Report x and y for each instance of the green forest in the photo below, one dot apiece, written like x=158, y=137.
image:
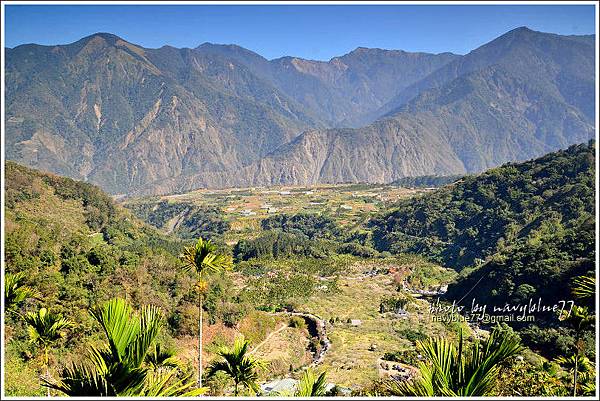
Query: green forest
x=151, y=300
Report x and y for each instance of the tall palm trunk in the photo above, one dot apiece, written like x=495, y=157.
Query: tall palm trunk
x=200, y=340
x=47, y=363
x=575, y=375
x=202, y=259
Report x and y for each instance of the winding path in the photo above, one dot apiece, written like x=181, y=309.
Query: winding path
x=271, y=334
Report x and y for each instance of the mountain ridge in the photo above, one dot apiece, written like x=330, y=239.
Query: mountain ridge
x=468, y=62
x=136, y=120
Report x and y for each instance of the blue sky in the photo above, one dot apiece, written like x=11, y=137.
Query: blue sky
x=314, y=32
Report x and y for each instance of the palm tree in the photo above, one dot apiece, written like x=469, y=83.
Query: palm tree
x=46, y=329
x=202, y=259
x=236, y=363
x=162, y=359
x=583, y=288
x=466, y=371
x=580, y=367
x=118, y=367
x=15, y=291
x=580, y=317
x=311, y=385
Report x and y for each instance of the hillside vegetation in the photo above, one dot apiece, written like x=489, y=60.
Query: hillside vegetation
x=514, y=234
x=185, y=220
x=517, y=233
x=464, y=223
x=75, y=249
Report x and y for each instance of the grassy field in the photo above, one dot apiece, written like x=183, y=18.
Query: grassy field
x=356, y=348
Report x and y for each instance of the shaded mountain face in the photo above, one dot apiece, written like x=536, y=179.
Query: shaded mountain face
x=346, y=90
x=563, y=64
x=378, y=153
x=124, y=117
x=140, y=121
x=533, y=95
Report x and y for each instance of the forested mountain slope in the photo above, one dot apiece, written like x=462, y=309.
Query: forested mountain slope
x=116, y=114
x=77, y=247
x=524, y=230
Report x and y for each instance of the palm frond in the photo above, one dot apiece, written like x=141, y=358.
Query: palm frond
x=311, y=385
x=580, y=317
x=160, y=358
x=484, y=362
x=101, y=359
x=582, y=363
x=219, y=366
x=463, y=371
x=167, y=384
x=15, y=291
x=203, y=259
x=116, y=319
x=214, y=263
x=589, y=388
x=45, y=327
x=150, y=323
x=584, y=287
x=118, y=368
x=80, y=380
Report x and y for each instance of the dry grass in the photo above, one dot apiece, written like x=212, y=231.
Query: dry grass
x=350, y=361
x=287, y=350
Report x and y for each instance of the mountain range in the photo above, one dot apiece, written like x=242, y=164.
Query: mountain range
x=149, y=121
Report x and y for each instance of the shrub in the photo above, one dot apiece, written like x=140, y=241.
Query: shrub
x=297, y=322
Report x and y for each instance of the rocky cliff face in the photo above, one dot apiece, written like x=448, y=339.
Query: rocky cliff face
x=378, y=153
x=116, y=114
x=137, y=120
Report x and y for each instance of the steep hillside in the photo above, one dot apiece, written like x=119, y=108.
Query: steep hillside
x=182, y=219
x=495, y=112
x=69, y=244
x=564, y=64
x=492, y=116
x=468, y=221
x=122, y=116
x=521, y=233
x=379, y=153
x=76, y=246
